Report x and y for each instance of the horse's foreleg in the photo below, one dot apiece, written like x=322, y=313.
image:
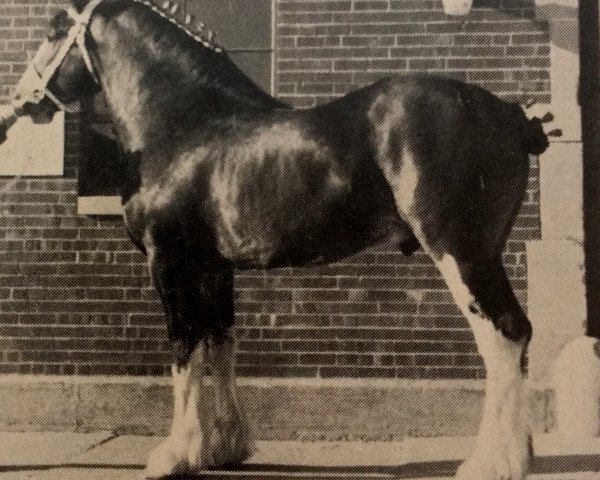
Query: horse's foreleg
x=181, y=452
x=229, y=442
x=204, y=434
x=502, y=332
x=199, y=314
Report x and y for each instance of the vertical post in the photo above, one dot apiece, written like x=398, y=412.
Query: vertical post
x=589, y=99
x=577, y=368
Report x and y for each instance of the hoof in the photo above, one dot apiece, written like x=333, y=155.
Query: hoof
x=230, y=444
x=498, y=462
x=486, y=470
x=169, y=460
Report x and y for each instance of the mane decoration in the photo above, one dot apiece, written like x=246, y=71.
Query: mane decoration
x=169, y=9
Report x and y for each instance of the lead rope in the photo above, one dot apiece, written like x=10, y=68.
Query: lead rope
x=9, y=118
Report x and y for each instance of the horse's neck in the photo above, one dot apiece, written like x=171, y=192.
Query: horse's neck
x=153, y=95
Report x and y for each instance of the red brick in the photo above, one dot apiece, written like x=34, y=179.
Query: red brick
x=276, y=371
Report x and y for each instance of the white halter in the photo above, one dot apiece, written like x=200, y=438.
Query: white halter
x=82, y=21
x=76, y=36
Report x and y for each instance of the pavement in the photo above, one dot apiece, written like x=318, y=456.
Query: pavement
x=105, y=456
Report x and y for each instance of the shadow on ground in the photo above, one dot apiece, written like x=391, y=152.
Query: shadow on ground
x=543, y=465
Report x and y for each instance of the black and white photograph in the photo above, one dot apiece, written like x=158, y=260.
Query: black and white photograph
x=300, y=239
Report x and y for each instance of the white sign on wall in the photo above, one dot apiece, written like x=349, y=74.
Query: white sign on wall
x=34, y=150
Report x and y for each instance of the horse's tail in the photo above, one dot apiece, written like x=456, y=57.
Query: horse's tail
x=514, y=119
x=535, y=140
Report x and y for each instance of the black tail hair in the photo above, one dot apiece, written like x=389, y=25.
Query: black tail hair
x=535, y=140
x=533, y=137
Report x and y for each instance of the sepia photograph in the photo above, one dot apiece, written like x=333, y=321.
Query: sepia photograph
x=300, y=239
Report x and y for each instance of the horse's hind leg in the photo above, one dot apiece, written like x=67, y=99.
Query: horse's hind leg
x=200, y=314
x=458, y=179
x=502, y=332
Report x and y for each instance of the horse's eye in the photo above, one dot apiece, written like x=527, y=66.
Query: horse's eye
x=56, y=34
x=59, y=26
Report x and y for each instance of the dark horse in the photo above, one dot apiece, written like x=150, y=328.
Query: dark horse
x=218, y=175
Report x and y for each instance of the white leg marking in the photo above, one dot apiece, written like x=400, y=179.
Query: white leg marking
x=181, y=452
x=229, y=442
x=503, y=448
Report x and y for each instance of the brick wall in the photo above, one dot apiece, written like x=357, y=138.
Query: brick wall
x=75, y=299
x=328, y=47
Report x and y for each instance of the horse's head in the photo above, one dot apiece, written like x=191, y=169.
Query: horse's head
x=59, y=75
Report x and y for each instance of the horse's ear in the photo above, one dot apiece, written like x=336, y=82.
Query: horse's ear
x=79, y=4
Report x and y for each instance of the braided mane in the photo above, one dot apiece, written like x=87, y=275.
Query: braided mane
x=168, y=11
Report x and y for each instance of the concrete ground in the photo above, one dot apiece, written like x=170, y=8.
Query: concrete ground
x=105, y=456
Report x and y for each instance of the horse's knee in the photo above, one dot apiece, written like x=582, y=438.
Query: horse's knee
x=205, y=313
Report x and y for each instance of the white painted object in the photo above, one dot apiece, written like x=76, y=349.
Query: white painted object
x=34, y=149
x=99, y=205
x=457, y=7
x=577, y=384
x=555, y=298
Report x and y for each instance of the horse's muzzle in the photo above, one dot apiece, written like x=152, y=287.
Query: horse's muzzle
x=40, y=113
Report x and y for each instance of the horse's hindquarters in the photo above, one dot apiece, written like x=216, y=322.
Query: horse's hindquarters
x=456, y=161
x=454, y=158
